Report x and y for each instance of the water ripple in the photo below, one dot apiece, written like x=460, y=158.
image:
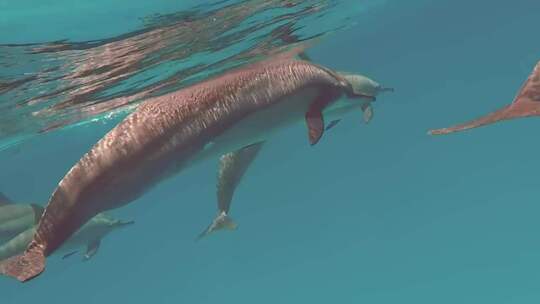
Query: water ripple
x=61, y=84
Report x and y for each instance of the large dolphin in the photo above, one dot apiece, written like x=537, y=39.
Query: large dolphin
x=526, y=103
x=89, y=236
x=165, y=134
x=234, y=165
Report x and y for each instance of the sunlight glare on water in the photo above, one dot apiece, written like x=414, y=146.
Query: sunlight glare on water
x=378, y=212
x=66, y=81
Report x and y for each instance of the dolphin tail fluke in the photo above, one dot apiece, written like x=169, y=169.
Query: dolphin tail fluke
x=221, y=222
x=26, y=266
x=526, y=103
x=515, y=110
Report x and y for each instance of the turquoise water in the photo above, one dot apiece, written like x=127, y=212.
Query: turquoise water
x=381, y=213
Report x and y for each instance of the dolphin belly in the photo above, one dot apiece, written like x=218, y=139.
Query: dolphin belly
x=261, y=125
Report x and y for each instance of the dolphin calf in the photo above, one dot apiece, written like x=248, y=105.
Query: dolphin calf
x=166, y=133
x=526, y=103
x=89, y=236
x=233, y=165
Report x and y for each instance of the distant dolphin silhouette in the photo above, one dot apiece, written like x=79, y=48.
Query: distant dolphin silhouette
x=165, y=134
x=89, y=236
x=16, y=218
x=21, y=226
x=526, y=103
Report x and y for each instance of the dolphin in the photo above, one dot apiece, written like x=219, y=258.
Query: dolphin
x=89, y=236
x=165, y=134
x=18, y=225
x=233, y=165
x=526, y=103
x=15, y=218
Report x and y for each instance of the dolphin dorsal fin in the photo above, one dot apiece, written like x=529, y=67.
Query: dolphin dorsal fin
x=296, y=50
x=4, y=200
x=304, y=56
x=526, y=103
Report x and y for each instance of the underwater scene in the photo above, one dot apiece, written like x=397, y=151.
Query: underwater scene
x=353, y=151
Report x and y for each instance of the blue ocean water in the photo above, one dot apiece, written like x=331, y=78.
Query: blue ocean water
x=378, y=213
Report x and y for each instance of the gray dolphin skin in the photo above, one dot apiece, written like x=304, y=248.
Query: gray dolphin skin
x=18, y=225
x=15, y=218
x=89, y=236
x=233, y=165
x=167, y=133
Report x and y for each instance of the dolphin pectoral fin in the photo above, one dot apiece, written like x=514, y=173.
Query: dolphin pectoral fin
x=4, y=200
x=367, y=109
x=221, y=222
x=315, y=124
x=125, y=223
x=332, y=124
x=525, y=104
x=91, y=250
x=67, y=255
x=314, y=116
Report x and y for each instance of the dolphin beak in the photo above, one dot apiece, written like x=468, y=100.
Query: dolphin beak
x=383, y=89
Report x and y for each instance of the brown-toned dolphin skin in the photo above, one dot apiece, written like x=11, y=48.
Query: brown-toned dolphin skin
x=233, y=165
x=526, y=103
x=165, y=133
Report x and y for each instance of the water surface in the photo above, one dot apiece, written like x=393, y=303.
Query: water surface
x=380, y=213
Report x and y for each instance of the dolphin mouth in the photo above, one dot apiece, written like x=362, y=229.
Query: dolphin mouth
x=369, y=96
x=361, y=95
x=356, y=95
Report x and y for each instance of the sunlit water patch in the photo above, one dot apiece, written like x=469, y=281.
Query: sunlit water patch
x=66, y=83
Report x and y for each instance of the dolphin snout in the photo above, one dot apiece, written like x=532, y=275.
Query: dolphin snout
x=383, y=89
